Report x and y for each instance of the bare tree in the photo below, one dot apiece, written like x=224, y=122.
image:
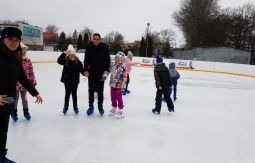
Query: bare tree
x=22, y=21
x=88, y=31
x=242, y=26
x=6, y=22
x=168, y=36
x=10, y=22
x=115, y=40
x=109, y=38
x=193, y=18
x=51, y=28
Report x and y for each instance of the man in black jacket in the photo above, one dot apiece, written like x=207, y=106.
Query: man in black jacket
x=11, y=71
x=163, y=83
x=96, y=68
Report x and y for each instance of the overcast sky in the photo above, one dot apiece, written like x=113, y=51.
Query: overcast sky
x=128, y=17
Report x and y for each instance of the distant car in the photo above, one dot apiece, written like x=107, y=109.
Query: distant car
x=81, y=51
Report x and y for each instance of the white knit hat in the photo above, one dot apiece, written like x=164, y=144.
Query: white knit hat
x=70, y=50
x=23, y=45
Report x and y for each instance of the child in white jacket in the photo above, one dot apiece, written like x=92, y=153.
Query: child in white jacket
x=128, y=65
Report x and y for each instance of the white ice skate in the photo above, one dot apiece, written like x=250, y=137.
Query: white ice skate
x=112, y=111
x=119, y=114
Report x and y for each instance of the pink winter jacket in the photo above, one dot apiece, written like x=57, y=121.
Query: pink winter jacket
x=28, y=68
x=129, y=64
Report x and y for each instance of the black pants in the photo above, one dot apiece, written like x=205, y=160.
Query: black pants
x=158, y=99
x=96, y=86
x=5, y=112
x=71, y=88
x=175, y=90
x=128, y=80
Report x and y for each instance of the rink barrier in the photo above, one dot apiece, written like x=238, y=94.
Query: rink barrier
x=220, y=72
x=182, y=69
x=210, y=71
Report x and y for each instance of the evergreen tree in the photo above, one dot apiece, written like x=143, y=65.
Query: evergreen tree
x=69, y=41
x=85, y=41
x=142, y=48
x=79, y=42
x=62, y=42
x=75, y=37
x=149, y=46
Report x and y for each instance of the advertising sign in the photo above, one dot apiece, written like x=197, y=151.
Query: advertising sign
x=185, y=65
x=147, y=62
x=32, y=35
x=31, y=32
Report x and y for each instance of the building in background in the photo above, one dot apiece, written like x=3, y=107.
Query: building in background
x=32, y=36
x=50, y=41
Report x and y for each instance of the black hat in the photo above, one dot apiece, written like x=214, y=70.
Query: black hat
x=11, y=32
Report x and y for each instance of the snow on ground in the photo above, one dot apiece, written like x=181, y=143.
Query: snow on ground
x=214, y=123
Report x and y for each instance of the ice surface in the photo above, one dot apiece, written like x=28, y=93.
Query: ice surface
x=214, y=123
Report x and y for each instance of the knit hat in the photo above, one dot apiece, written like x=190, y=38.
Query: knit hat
x=120, y=55
x=23, y=45
x=70, y=50
x=159, y=59
x=11, y=32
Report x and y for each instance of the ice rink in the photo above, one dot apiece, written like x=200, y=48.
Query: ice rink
x=213, y=122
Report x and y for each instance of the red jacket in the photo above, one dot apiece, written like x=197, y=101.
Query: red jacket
x=28, y=68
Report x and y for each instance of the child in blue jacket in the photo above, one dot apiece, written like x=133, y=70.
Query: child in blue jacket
x=174, y=78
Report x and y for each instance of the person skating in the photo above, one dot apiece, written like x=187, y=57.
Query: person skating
x=117, y=83
x=72, y=67
x=163, y=84
x=11, y=72
x=20, y=90
x=96, y=68
x=128, y=65
x=174, y=74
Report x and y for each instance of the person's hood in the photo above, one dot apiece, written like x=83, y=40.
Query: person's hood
x=172, y=65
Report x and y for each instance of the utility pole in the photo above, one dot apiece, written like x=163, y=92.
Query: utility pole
x=252, y=60
x=147, y=34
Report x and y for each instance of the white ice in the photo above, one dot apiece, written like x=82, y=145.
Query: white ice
x=214, y=122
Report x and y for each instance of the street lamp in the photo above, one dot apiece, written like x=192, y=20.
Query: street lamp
x=252, y=60
x=147, y=33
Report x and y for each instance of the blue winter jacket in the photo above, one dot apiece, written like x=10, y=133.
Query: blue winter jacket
x=173, y=73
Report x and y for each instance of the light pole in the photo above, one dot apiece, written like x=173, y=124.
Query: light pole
x=147, y=33
x=252, y=60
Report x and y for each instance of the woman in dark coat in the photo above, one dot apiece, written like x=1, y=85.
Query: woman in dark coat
x=11, y=71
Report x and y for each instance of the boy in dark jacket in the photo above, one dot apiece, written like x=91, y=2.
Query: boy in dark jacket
x=70, y=76
x=163, y=84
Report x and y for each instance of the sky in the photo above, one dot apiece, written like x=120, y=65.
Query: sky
x=129, y=17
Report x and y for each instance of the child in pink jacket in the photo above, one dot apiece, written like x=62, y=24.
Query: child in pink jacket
x=128, y=65
x=28, y=68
